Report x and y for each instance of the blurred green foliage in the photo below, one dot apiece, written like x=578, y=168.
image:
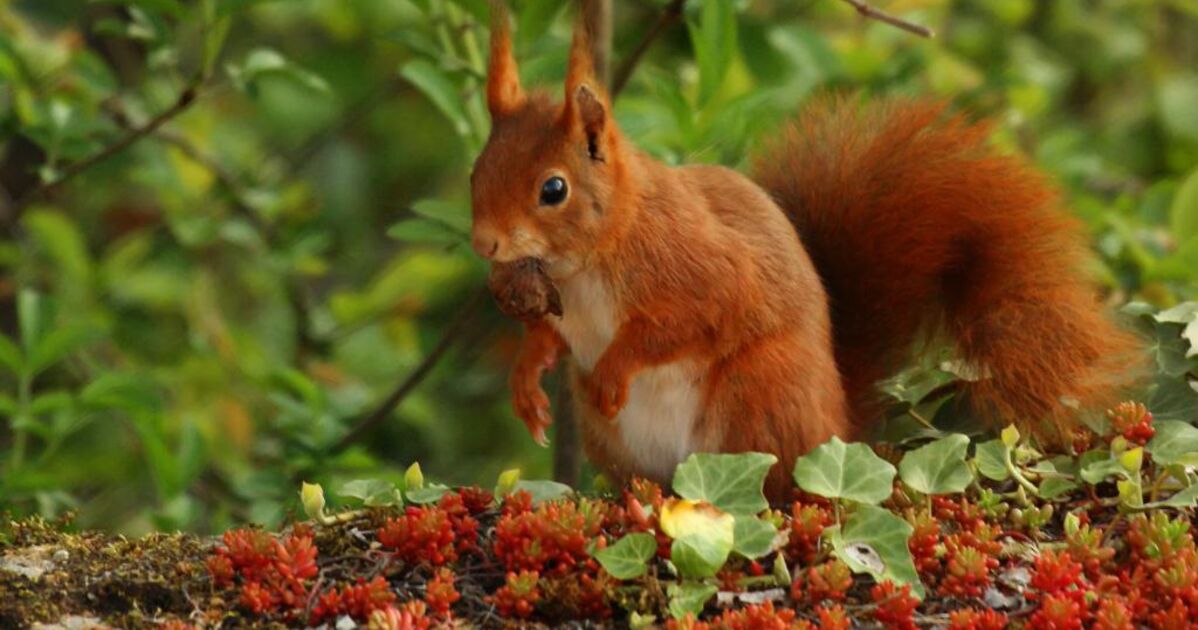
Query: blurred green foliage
x=192, y=323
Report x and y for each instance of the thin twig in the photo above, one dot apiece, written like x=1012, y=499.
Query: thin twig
x=185, y=100
x=224, y=177
x=671, y=14
x=868, y=11
x=416, y=377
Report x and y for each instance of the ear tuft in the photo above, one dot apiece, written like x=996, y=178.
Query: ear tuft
x=504, y=94
x=592, y=116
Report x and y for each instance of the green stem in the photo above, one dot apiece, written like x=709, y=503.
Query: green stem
x=1017, y=475
x=20, y=438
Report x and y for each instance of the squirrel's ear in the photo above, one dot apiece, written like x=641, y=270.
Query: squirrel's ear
x=587, y=112
x=504, y=94
x=586, y=105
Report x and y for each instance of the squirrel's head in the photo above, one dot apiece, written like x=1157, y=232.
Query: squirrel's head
x=544, y=184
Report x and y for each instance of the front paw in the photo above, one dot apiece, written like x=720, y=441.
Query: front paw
x=608, y=390
x=531, y=405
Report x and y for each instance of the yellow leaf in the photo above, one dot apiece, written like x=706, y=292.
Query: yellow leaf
x=681, y=517
x=312, y=496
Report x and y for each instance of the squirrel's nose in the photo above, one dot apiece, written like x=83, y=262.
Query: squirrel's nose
x=486, y=245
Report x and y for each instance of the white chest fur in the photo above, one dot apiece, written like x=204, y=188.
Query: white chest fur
x=657, y=423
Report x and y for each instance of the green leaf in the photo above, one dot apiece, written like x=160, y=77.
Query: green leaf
x=51, y=401
x=1096, y=472
x=454, y=216
x=372, y=492
x=229, y=7
x=413, y=478
x=938, y=467
x=62, y=242
x=8, y=406
x=1182, y=499
x=10, y=356
x=1183, y=214
x=59, y=343
x=535, y=17
x=544, y=490
x=171, y=7
x=991, y=461
x=1174, y=443
x=422, y=230
x=714, y=41
x=731, y=482
x=440, y=90
x=430, y=493
x=1185, y=314
x=753, y=537
x=1170, y=349
x=1054, y=487
x=312, y=499
x=629, y=557
x=703, y=536
x=264, y=62
x=689, y=598
x=1173, y=399
x=34, y=314
x=874, y=541
x=506, y=484
x=845, y=471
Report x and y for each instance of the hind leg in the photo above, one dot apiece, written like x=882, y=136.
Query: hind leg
x=782, y=396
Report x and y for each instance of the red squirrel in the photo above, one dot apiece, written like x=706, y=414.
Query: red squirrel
x=706, y=311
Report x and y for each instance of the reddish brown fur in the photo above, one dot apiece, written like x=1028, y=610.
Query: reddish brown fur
x=918, y=226
x=910, y=220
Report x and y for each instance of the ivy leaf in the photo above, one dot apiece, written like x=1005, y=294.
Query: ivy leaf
x=1175, y=442
x=731, y=482
x=506, y=484
x=1096, y=472
x=1173, y=399
x=938, y=467
x=542, y=490
x=991, y=460
x=1184, y=498
x=753, y=537
x=629, y=557
x=689, y=598
x=703, y=536
x=1185, y=314
x=430, y=493
x=845, y=471
x=372, y=492
x=874, y=541
x=312, y=498
x=1054, y=487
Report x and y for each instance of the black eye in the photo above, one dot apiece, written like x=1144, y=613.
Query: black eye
x=553, y=191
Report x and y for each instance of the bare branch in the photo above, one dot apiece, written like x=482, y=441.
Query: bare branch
x=185, y=100
x=868, y=11
x=596, y=15
x=451, y=335
x=671, y=14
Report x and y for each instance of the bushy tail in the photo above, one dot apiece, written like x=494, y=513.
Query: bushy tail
x=918, y=226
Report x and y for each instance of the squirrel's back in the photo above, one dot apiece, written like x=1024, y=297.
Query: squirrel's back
x=919, y=227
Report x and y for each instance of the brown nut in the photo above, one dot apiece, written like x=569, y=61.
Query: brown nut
x=523, y=290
